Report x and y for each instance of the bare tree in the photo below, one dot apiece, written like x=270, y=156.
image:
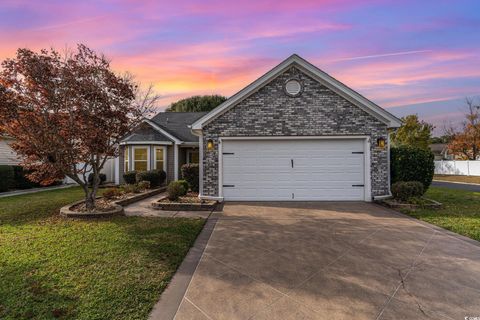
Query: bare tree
x=465, y=141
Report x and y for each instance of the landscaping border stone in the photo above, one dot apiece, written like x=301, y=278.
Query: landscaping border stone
x=177, y=206
x=432, y=204
x=118, y=206
x=67, y=212
x=140, y=196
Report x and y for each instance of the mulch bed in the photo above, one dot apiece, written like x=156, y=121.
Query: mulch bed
x=425, y=203
x=188, y=202
x=102, y=205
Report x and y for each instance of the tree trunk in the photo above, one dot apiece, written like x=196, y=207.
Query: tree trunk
x=91, y=195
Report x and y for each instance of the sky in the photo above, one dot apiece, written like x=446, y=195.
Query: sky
x=407, y=56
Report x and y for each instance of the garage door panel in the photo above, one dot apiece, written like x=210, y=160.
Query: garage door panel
x=322, y=169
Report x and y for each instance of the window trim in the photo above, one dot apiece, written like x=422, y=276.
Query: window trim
x=132, y=157
x=126, y=160
x=164, y=157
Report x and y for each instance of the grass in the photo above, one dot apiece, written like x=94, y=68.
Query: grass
x=460, y=214
x=467, y=179
x=53, y=268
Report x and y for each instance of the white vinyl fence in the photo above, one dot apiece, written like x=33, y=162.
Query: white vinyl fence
x=454, y=167
x=108, y=170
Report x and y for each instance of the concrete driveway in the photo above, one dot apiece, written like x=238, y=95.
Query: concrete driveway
x=331, y=261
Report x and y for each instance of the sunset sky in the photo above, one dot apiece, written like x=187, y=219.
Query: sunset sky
x=409, y=56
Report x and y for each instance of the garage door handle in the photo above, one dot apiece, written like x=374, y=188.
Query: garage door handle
x=292, y=162
x=358, y=185
x=228, y=186
x=357, y=152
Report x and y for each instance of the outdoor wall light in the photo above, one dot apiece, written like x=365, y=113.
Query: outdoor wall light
x=210, y=145
x=381, y=143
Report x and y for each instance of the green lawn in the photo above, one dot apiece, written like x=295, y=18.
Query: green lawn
x=461, y=212
x=53, y=268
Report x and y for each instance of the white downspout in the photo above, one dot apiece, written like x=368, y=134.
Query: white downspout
x=175, y=161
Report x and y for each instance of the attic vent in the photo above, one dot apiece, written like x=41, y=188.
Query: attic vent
x=293, y=87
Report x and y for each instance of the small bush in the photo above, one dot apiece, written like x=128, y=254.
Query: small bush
x=131, y=188
x=101, y=176
x=130, y=177
x=6, y=178
x=112, y=193
x=412, y=164
x=143, y=185
x=185, y=185
x=155, y=177
x=190, y=173
x=175, y=190
x=406, y=190
x=20, y=179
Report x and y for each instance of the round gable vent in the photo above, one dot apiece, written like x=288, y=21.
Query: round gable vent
x=293, y=87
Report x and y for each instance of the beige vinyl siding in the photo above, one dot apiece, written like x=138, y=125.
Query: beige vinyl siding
x=170, y=163
x=7, y=155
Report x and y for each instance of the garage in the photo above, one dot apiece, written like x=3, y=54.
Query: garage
x=294, y=169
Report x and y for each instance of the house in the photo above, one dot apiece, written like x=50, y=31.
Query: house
x=294, y=134
x=440, y=151
x=163, y=142
x=7, y=155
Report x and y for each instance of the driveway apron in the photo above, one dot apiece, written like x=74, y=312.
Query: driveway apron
x=326, y=260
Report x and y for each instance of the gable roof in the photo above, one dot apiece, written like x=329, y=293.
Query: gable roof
x=354, y=97
x=165, y=127
x=178, y=124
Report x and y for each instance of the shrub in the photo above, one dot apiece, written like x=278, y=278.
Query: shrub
x=20, y=179
x=102, y=176
x=406, y=190
x=131, y=188
x=175, y=190
x=155, y=177
x=6, y=178
x=143, y=185
x=130, y=177
x=190, y=173
x=412, y=164
x=112, y=193
x=185, y=185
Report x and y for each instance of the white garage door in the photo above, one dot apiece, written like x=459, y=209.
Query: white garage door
x=293, y=170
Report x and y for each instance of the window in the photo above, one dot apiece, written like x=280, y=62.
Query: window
x=160, y=158
x=140, y=158
x=125, y=155
x=192, y=156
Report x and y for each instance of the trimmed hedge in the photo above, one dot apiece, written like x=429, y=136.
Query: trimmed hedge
x=412, y=164
x=6, y=178
x=130, y=177
x=406, y=190
x=21, y=181
x=155, y=177
x=190, y=173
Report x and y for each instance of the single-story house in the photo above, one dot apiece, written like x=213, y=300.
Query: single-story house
x=294, y=134
x=440, y=150
x=7, y=155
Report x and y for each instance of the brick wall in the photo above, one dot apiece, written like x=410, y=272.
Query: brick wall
x=317, y=111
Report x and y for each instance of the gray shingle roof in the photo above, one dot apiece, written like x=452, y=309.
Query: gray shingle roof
x=176, y=123
x=146, y=133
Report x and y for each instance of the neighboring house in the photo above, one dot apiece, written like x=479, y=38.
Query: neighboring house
x=440, y=150
x=7, y=155
x=293, y=134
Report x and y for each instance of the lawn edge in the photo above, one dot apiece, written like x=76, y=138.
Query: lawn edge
x=170, y=299
x=434, y=227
